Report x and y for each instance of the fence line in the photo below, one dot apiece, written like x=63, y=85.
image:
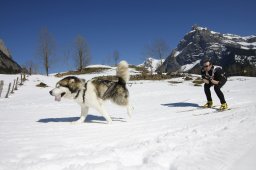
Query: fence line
x=1, y=86
x=7, y=94
x=14, y=86
x=21, y=80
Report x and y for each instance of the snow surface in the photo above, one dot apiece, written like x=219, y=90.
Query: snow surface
x=202, y=28
x=188, y=67
x=177, y=53
x=98, y=66
x=213, y=32
x=233, y=36
x=166, y=130
x=244, y=45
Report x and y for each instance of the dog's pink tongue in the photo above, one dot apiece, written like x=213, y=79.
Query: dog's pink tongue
x=57, y=98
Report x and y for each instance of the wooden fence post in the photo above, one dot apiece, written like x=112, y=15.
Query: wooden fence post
x=8, y=90
x=16, y=86
x=21, y=79
x=13, y=86
x=1, y=86
x=24, y=77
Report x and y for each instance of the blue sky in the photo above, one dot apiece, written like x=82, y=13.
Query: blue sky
x=123, y=25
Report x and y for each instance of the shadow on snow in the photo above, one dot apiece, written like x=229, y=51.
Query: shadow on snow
x=181, y=104
x=89, y=119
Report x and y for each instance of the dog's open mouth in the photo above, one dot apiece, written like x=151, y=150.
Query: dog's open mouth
x=58, y=98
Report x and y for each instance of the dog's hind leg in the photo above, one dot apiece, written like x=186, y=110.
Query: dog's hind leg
x=103, y=112
x=84, y=112
x=129, y=110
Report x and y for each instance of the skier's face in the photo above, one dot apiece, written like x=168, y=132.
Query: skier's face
x=207, y=66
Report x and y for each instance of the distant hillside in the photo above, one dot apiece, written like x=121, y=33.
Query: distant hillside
x=7, y=64
x=87, y=70
x=235, y=53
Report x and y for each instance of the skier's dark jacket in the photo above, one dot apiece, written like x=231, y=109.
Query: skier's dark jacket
x=216, y=73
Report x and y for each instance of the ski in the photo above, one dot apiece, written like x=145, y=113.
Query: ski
x=219, y=110
x=214, y=110
x=194, y=109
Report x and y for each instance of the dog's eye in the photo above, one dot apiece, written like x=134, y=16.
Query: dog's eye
x=57, y=85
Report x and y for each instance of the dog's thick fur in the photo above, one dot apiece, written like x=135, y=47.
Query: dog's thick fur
x=95, y=91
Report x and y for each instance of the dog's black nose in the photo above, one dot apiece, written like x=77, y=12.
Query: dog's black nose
x=50, y=92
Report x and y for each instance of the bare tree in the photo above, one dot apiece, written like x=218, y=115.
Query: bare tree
x=116, y=56
x=46, y=48
x=31, y=67
x=82, y=52
x=148, y=64
x=158, y=49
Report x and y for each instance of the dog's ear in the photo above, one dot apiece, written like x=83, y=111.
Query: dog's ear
x=57, y=85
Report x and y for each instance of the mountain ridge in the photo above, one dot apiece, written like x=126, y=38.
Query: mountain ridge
x=236, y=54
x=7, y=64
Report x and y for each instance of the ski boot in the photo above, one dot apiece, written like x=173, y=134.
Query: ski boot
x=209, y=104
x=223, y=106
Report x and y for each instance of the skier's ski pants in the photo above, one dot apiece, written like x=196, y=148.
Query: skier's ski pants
x=216, y=89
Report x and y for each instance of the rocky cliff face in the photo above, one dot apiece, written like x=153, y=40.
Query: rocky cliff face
x=236, y=54
x=4, y=49
x=7, y=64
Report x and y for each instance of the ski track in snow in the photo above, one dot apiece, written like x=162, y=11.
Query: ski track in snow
x=36, y=132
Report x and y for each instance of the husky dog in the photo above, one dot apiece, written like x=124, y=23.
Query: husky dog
x=95, y=91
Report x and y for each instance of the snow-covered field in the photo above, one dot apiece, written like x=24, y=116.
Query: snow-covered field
x=166, y=130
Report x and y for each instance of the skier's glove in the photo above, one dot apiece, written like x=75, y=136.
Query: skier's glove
x=208, y=78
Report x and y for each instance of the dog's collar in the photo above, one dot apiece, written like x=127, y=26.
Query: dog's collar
x=78, y=92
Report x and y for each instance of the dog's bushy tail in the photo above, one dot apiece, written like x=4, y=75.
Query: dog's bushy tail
x=122, y=71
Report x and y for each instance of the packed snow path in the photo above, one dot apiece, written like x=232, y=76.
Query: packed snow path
x=36, y=132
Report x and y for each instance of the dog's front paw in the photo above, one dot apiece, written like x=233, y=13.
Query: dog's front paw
x=110, y=122
x=77, y=122
x=130, y=109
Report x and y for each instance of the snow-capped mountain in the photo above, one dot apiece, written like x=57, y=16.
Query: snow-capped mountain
x=151, y=63
x=235, y=53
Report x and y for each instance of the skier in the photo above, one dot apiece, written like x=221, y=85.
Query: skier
x=213, y=75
